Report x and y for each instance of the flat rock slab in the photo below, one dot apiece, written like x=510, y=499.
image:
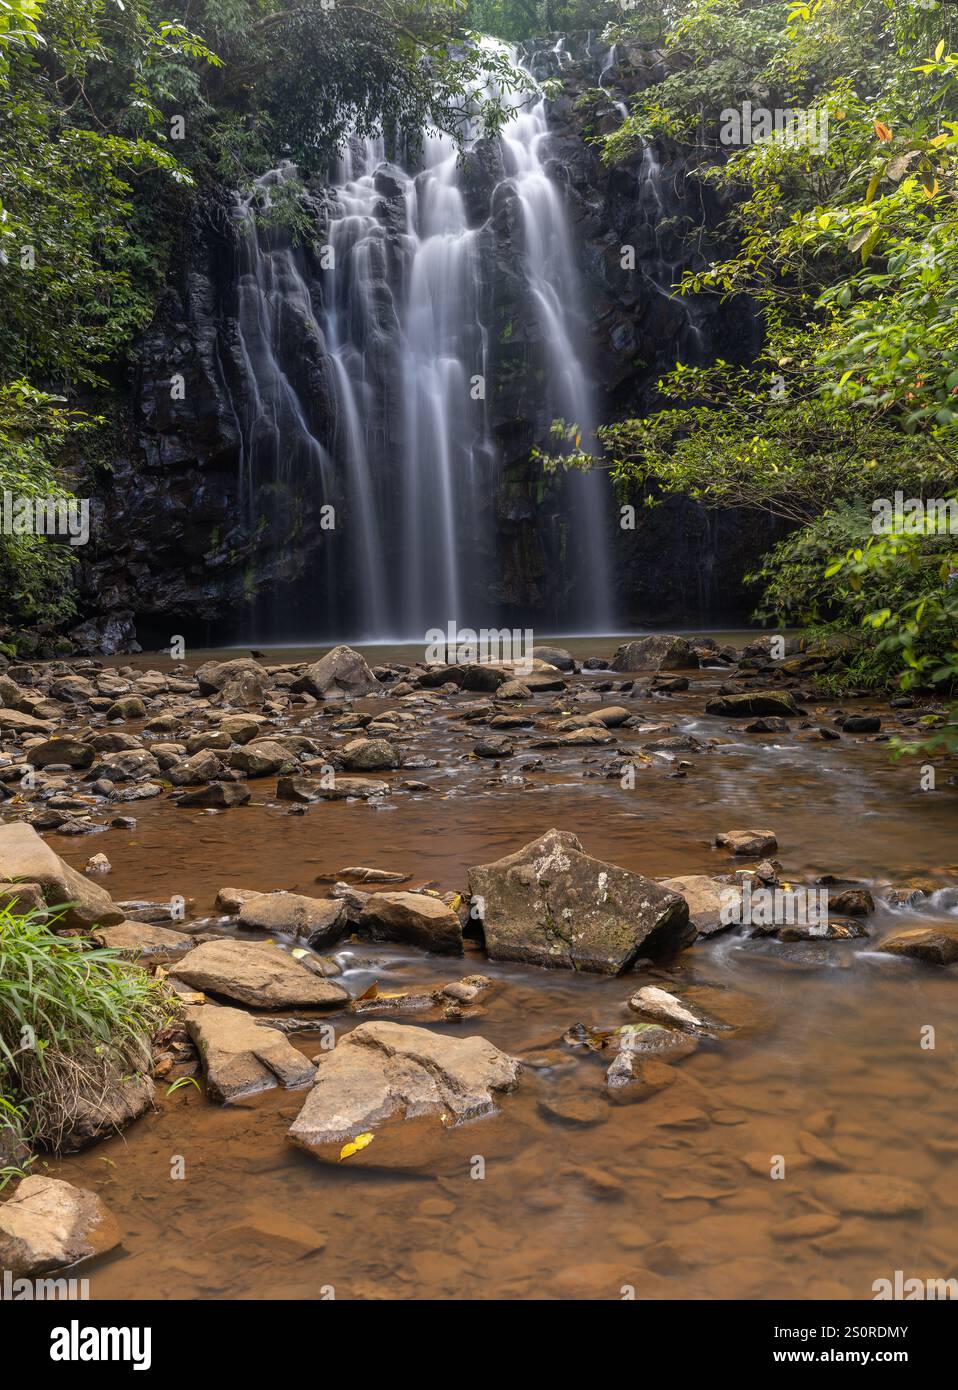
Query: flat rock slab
x=381, y=1071
x=146, y=940
x=12, y=721
x=258, y=974
x=317, y=921
x=49, y=1224
x=413, y=917
x=552, y=904
x=25, y=857
x=242, y=1057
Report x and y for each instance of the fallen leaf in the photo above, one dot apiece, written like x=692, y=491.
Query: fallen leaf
x=355, y=1145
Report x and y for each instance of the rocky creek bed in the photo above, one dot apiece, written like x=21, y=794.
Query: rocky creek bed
x=477, y=914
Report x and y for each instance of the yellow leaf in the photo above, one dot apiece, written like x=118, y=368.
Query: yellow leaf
x=882, y=131
x=939, y=50
x=360, y=1142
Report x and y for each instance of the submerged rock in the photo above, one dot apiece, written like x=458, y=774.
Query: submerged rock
x=258, y=974
x=382, y=1071
x=360, y=873
x=552, y=904
x=49, y=1224
x=241, y=1056
x=871, y=1194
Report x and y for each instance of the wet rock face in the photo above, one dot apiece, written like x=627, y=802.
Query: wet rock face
x=552, y=904
x=181, y=537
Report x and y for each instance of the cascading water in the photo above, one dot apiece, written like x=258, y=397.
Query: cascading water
x=398, y=327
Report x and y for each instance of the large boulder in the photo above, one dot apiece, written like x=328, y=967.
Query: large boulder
x=369, y=755
x=69, y=752
x=48, y=1224
x=128, y=765
x=318, y=921
x=25, y=857
x=552, y=904
x=381, y=1070
x=261, y=759
x=413, y=917
x=217, y=796
x=242, y=1057
x=661, y=652
x=754, y=702
x=258, y=974
x=203, y=766
x=342, y=672
x=240, y=682
x=935, y=945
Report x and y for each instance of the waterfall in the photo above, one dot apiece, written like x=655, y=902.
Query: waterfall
x=396, y=333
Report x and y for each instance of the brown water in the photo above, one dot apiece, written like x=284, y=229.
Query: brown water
x=670, y=1196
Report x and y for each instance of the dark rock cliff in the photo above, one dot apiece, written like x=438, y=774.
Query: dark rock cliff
x=190, y=537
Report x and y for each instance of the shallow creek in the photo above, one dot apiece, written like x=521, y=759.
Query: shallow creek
x=670, y=1196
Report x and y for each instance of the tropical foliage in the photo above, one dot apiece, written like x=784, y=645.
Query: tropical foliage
x=843, y=234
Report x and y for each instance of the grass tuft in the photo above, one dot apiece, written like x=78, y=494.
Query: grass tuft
x=75, y=1023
